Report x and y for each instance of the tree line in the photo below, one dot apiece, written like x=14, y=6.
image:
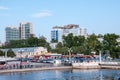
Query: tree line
x=107, y=43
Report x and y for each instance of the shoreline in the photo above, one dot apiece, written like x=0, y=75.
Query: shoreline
x=57, y=68
x=35, y=69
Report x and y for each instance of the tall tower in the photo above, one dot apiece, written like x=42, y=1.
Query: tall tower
x=12, y=33
x=56, y=34
x=25, y=29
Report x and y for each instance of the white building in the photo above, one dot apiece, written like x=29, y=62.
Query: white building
x=25, y=29
x=57, y=32
x=53, y=45
x=71, y=28
x=83, y=32
x=28, y=51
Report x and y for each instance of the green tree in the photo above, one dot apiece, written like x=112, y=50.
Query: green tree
x=92, y=43
x=76, y=43
x=10, y=53
x=48, y=47
x=59, y=45
x=64, y=50
x=110, y=43
x=117, y=52
x=78, y=40
x=31, y=42
x=68, y=41
x=42, y=41
x=2, y=53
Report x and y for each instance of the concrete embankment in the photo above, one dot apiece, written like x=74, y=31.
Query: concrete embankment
x=110, y=67
x=87, y=67
x=36, y=69
x=98, y=67
x=61, y=68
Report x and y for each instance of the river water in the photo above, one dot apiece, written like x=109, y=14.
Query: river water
x=75, y=74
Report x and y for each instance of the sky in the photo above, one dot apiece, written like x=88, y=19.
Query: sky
x=97, y=16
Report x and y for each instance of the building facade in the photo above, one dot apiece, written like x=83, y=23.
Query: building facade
x=26, y=30
x=12, y=33
x=57, y=32
x=83, y=32
x=28, y=51
x=56, y=35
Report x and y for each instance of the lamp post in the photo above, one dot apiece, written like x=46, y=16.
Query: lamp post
x=69, y=50
x=6, y=54
x=100, y=56
x=101, y=49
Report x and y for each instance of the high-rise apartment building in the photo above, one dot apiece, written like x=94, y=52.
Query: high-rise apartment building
x=56, y=35
x=58, y=32
x=26, y=30
x=12, y=33
x=71, y=28
x=83, y=32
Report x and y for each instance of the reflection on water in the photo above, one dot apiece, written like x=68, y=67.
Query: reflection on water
x=104, y=74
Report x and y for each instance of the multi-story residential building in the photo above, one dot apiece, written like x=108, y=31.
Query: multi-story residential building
x=26, y=30
x=58, y=32
x=71, y=28
x=12, y=33
x=83, y=32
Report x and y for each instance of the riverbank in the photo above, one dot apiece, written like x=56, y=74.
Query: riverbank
x=36, y=69
x=58, y=68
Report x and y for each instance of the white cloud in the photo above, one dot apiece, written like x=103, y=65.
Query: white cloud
x=3, y=8
x=42, y=14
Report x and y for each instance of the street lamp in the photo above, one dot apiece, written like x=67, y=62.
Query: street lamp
x=100, y=51
x=69, y=50
x=100, y=56
x=6, y=53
